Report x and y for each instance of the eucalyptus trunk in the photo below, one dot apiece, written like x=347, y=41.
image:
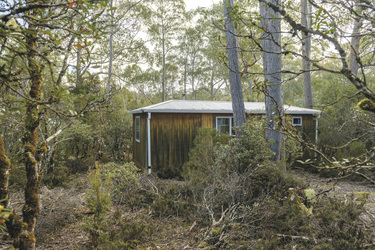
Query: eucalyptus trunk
x=163, y=80
x=110, y=53
x=306, y=47
x=271, y=40
x=238, y=106
x=356, y=38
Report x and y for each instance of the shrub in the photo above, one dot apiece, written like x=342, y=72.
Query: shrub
x=17, y=177
x=57, y=177
x=124, y=182
x=98, y=200
x=122, y=233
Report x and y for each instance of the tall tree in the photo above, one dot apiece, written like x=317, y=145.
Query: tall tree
x=233, y=65
x=271, y=47
x=306, y=46
x=164, y=26
x=356, y=38
x=40, y=28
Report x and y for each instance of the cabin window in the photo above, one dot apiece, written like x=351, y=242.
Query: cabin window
x=224, y=125
x=296, y=121
x=138, y=129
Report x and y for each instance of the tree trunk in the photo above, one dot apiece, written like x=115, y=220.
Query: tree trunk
x=4, y=175
x=212, y=81
x=110, y=53
x=238, y=106
x=163, y=80
x=306, y=46
x=78, y=68
x=356, y=38
x=271, y=39
x=22, y=232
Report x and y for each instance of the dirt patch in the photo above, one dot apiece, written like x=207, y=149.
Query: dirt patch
x=60, y=215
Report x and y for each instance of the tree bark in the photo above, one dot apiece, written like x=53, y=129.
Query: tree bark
x=271, y=40
x=110, y=54
x=356, y=38
x=163, y=80
x=238, y=106
x=78, y=68
x=306, y=46
x=4, y=174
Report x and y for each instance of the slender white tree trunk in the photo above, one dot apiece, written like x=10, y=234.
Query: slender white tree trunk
x=306, y=46
x=110, y=53
x=356, y=38
x=238, y=106
x=271, y=39
x=163, y=80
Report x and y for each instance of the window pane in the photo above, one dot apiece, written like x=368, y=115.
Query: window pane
x=223, y=125
x=297, y=121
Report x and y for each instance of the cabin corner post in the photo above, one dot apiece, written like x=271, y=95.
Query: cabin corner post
x=149, y=143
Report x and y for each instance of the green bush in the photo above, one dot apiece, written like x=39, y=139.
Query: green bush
x=98, y=200
x=17, y=177
x=57, y=177
x=124, y=182
x=123, y=233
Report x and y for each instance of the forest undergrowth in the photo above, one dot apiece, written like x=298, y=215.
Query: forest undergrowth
x=167, y=222
x=229, y=197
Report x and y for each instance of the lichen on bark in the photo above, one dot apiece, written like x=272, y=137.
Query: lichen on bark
x=367, y=105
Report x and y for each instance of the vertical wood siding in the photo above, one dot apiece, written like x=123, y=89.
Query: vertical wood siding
x=140, y=148
x=172, y=136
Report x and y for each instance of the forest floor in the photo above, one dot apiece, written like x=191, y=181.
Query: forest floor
x=60, y=224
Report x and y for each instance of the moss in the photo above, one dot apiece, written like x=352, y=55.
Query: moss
x=367, y=105
x=4, y=173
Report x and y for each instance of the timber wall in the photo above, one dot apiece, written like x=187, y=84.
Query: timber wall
x=140, y=148
x=172, y=136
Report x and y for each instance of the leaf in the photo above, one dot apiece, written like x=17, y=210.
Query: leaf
x=71, y=4
x=78, y=46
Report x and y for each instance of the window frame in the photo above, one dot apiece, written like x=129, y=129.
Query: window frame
x=137, y=129
x=297, y=124
x=230, y=124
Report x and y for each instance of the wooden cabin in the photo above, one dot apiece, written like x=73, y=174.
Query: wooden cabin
x=164, y=132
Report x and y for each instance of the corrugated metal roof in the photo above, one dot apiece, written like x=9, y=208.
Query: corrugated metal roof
x=191, y=106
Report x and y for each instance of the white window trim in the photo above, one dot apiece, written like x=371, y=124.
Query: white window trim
x=230, y=123
x=294, y=124
x=135, y=128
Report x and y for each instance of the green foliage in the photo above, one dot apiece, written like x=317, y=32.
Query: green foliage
x=168, y=198
x=165, y=207
x=201, y=156
x=240, y=154
x=4, y=215
x=17, y=177
x=123, y=233
x=124, y=182
x=331, y=224
x=293, y=151
x=57, y=177
x=79, y=149
x=357, y=149
x=98, y=200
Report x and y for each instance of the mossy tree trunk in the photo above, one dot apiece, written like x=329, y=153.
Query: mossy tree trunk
x=22, y=231
x=30, y=210
x=4, y=173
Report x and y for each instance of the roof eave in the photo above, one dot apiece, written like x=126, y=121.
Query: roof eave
x=259, y=112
